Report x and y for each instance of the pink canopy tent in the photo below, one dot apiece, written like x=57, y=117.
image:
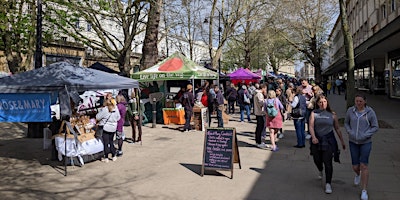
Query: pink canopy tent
x=245, y=75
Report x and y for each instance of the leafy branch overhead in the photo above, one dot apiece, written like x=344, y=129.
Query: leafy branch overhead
x=90, y=22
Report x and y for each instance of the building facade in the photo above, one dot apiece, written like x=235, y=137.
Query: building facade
x=375, y=27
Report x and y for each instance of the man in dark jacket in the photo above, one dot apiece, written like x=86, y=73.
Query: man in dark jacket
x=231, y=97
x=220, y=108
x=187, y=100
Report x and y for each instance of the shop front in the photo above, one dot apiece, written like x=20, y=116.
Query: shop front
x=392, y=74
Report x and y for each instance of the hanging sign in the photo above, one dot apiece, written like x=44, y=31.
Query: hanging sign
x=28, y=107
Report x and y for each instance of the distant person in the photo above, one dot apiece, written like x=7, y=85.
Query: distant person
x=108, y=117
x=120, y=136
x=135, y=115
x=187, y=101
x=219, y=106
x=361, y=124
x=283, y=100
x=243, y=95
x=299, y=102
x=324, y=147
x=290, y=93
x=308, y=94
x=273, y=123
x=338, y=84
x=231, y=95
x=260, y=115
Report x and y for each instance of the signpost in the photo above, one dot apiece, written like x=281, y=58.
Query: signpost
x=220, y=150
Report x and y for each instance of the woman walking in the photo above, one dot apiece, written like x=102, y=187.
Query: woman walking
x=361, y=123
x=121, y=105
x=108, y=118
x=324, y=145
x=274, y=123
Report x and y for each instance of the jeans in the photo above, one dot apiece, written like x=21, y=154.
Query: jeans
x=360, y=153
x=299, y=125
x=188, y=117
x=259, y=128
x=219, y=116
x=242, y=108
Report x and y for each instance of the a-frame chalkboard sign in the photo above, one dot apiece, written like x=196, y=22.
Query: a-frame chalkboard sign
x=220, y=150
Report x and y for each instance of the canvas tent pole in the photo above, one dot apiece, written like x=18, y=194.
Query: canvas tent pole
x=65, y=142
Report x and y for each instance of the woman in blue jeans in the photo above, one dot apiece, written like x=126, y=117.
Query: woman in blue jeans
x=299, y=101
x=361, y=123
x=242, y=104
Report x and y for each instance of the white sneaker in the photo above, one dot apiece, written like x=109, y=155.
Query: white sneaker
x=262, y=145
x=364, y=195
x=280, y=136
x=328, y=188
x=114, y=158
x=357, y=180
x=308, y=136
x=320, y=175
x=104, y=160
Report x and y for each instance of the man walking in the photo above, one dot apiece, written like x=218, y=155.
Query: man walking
x=260, y=114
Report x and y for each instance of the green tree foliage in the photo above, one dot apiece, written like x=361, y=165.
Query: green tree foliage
x=17, y=33
x=89, y=22
x=306, y=24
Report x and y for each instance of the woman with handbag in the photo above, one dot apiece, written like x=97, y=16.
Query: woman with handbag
x=299, y=107
x=108, y=118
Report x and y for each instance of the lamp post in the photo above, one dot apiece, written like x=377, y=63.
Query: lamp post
x=38, y=52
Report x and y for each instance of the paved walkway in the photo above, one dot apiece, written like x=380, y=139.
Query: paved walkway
x=167, y=166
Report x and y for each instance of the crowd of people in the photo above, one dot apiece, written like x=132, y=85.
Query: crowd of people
x=308, y=106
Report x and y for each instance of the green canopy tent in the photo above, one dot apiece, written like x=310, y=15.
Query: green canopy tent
x=175, y=67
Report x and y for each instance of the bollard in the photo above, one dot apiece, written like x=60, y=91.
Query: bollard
x=154, y=112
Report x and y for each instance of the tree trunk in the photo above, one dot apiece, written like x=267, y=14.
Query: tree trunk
x=348, y=46
x=150, y=50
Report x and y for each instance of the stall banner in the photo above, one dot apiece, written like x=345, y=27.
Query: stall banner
x=25, y=107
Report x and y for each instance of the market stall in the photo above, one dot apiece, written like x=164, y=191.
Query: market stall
x=243, y=75
x=175, y=67
x=63, y=80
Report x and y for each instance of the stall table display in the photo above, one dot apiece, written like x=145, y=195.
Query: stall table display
x=174, y=115
x=80, y=140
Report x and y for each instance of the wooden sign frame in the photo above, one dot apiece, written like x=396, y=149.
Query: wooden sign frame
x=233, y=156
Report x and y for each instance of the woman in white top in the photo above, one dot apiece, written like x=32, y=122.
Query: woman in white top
x=108, y=118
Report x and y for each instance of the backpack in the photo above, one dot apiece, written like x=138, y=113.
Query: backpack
x=271, y=110
x=246, y=99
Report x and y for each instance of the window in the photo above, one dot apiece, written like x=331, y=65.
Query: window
x=77, y=24
x=383, y=11
x=393, y=5
x=64, y=39
x=89, y=26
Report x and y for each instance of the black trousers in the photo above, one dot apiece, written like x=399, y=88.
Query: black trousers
x=259, y=128
x=109, y=147
x=323, y=158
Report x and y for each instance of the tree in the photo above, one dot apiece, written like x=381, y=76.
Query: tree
x=228, y=20
x=185, y=23
x=115, y=42
x=17, y=32
x=305, y=24
x=349, y=49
